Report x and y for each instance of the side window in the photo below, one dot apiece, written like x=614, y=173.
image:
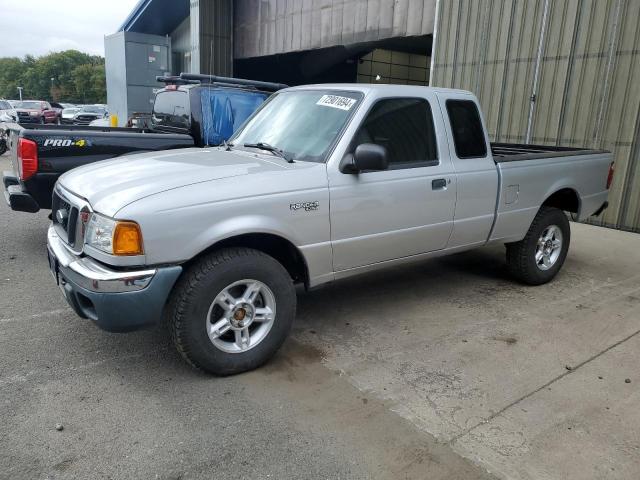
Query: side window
x=468, y=134
x=404, y=126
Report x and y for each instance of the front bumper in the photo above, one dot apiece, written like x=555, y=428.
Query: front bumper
x=28, y=119
x=116, y=300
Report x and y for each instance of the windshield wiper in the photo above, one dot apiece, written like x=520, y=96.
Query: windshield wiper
x=227, y=146
x=269, y=148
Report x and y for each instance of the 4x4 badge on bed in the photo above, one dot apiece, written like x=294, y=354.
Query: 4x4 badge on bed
x=307, y=206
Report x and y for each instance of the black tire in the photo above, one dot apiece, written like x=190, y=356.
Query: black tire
x=3, y=147
x=521, y=259
x=195, y=292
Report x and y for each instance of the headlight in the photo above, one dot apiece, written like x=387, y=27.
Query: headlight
x=114, y=237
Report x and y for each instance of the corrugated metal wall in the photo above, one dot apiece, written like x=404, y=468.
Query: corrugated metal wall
x=211, y=25
x=587, y=88
x=267, y=27
x=390, y=66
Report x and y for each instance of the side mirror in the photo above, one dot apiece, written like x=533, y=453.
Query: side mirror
x=368, y=156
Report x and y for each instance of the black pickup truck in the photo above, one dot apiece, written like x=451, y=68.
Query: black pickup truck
x=191, y=111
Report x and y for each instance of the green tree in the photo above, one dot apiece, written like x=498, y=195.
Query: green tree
x=11, y=70
x=69, y=76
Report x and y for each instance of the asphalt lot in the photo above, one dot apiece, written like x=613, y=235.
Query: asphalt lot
x=443, y=370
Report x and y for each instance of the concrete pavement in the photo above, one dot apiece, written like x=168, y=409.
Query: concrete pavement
x=447, y=369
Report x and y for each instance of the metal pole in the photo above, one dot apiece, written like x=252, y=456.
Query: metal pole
x=433, y=43
x=483, y=48
x=536, y=74
x=613, y=46
x=20, y=92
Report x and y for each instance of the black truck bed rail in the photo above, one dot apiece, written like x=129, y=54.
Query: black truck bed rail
x=511, y=152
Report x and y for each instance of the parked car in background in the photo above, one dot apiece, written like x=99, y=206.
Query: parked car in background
x=67, y=105
x=13, y=103
x=7, y=112
x=68, y=114
x=322, y=183
x=58, y=108
x=36, y=111
x=7, y=115
x=89, y=113
x=188, y=115
x=101, y=122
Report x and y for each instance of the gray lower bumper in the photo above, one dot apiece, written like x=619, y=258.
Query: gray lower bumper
x=116, y=300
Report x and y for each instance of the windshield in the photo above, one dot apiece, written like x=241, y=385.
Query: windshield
x=30, y=105
x=92, y=109
x=302, y=123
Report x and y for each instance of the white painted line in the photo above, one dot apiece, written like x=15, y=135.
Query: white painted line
x=36, y=315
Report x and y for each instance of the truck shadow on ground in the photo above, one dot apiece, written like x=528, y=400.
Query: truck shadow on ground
x=412, y=286
x=416, y=283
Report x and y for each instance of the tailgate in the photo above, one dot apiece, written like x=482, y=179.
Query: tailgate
x=12, y=145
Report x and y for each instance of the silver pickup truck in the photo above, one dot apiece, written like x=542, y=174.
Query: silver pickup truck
x=321, y=183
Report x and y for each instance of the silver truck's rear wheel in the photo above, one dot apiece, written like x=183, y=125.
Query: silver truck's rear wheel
x=232, y=310
x=549, y=247
x=538, y=257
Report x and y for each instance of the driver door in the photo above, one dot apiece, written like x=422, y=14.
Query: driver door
x=406, y=210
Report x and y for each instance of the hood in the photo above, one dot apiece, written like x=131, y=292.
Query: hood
x=110, y=185
x=28, y=110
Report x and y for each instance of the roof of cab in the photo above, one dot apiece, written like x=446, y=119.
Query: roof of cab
x=378, y=88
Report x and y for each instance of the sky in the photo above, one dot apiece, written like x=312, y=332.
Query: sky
x=38, y=27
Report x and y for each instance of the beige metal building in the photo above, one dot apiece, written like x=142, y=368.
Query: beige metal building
x=561, y=72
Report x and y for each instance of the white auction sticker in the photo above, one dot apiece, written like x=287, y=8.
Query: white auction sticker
x=336, y=101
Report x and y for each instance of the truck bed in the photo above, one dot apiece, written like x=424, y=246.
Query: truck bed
x=512, y=152
x=61, y=148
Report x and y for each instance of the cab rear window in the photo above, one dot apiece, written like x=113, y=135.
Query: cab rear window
x=171, y=109
x=468, y=134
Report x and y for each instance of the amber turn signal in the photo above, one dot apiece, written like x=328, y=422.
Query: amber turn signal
x=127, y=239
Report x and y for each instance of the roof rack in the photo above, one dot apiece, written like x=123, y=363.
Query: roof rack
x=228, y=81
x=174, y=80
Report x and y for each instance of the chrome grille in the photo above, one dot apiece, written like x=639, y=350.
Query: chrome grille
x=62, y=214
x=85, y=119
x=69, y=218
x=25, y=117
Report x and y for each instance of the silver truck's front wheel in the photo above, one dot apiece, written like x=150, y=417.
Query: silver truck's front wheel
x=231, y=310
x=241, y=316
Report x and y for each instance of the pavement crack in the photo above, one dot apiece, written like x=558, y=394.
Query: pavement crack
x=546, y=385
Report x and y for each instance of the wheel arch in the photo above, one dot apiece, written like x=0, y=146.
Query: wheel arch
x=565, y=198
x=274, y=245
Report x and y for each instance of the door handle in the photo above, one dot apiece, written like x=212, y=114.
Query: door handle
x=438, y=184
